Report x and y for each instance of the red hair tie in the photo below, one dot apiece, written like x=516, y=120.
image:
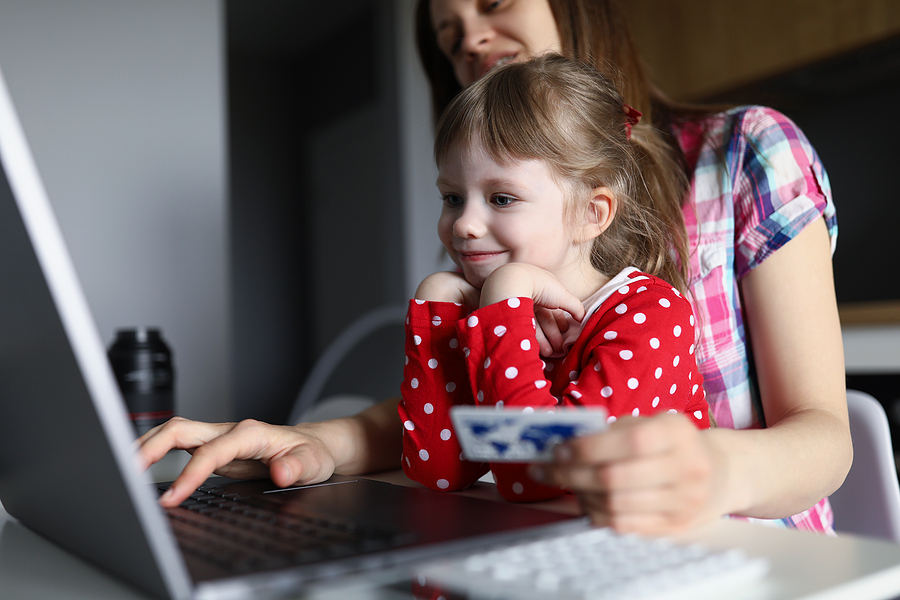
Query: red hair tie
x=632, y=117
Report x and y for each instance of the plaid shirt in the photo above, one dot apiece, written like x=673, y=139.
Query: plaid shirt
x=756, y=183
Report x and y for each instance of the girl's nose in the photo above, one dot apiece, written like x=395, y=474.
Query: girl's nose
x=469, y=223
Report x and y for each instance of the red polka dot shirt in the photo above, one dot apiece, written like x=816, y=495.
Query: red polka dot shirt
x=633, y=355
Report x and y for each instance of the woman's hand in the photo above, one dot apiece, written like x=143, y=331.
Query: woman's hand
x=445, y=286
x=651, y=475
x=289, y=455
x=246, y=450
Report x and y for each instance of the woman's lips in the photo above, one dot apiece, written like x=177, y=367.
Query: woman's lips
x=495, y=60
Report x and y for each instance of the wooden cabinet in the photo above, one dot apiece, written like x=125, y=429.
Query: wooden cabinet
x=699, y=48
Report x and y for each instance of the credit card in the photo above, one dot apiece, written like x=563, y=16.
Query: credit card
x=511, y=435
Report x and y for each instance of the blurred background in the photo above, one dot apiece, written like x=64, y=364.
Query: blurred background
x=252, y=175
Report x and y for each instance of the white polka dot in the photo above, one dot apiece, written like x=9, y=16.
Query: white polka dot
x=623, y=290
x=640, y=318
x=472, y=321
x=433, y=363
x=626, y=354
x=692, y=320
x=694, y=389
x=641, y=289
x=499, y=405
x=451, y=387
x=454, y=343
x=540, y=384
x=513, y=303
x=633, y=383
x=499, y=330
x=405, y=360
x=656, y=402
x=675, y=361
x=654, y=343
x=414, y=383
x=480, y=396
x=664, y=302
x=410, y=426
x=672, y=411
x=435, y=320
x=610, y=335
x=406, y=458
x=417, y=340
x=597, y=366
x=466, y=352
x=423, y=454
x=691, y=351
x=518, y=488
x=445, y=434
x=658, y=372
x=698, y=415
x=420, y=302
x=611, y=419
x=677, y=293
x=677, y=330
x=673, y=388
x=525, y=345
x=621, y=309
x=636, y=412
x=576, y=394
x=573, y=375
x=511, y=372
x=528, y=410
x=487, y=362
x=606, y=392
x=443, y=484
x=428, y=408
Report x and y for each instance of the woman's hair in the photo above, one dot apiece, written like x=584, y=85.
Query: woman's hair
x=568, y=114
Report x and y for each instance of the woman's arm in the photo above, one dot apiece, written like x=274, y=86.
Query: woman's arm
x=304, y=453
x=660, y=474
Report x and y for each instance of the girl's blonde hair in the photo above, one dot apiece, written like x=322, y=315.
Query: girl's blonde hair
x=568, y=114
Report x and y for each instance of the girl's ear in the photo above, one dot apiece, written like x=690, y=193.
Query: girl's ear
x=600, y=213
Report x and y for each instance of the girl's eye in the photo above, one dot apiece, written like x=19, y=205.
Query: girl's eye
x=492, y=5
x=452, y=200
x=503, y=200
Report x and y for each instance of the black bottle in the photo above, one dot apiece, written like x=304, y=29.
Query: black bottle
x=142, y=363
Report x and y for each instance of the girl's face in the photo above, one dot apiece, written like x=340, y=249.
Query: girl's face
x=476, y=35
x=497, y=213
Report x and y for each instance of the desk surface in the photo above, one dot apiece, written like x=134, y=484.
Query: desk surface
x=803, y=565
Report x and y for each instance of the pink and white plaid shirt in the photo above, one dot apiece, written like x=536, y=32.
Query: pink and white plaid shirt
x=757, y=182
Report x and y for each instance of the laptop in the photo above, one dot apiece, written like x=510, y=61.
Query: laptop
x=68, y=469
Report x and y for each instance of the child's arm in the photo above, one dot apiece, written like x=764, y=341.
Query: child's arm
x=635, y=357
x=434, y=379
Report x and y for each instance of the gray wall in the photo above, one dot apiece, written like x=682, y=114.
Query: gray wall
x=123, y=105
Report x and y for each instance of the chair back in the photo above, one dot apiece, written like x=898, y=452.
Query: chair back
x=868, y=503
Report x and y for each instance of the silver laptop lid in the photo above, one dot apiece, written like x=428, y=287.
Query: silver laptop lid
x=67, y=462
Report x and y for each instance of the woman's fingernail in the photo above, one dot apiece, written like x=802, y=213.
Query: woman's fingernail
x=166, y=495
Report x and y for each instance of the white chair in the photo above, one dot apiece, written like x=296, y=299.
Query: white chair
x=868, y=503
x=378, y=334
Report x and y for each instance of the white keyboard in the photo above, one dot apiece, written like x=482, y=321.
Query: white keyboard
x=596, y=564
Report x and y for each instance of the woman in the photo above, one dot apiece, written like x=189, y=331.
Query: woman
x=755, y=228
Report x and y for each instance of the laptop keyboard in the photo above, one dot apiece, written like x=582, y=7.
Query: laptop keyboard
x=245, y=534
x=595, y=564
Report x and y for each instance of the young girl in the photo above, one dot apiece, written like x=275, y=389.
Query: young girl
x=545, y=178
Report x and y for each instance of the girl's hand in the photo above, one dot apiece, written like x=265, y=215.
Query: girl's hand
x=245, y=450
x=445, y=286
x=551, y=325
x=521, y=280
x=651, y=475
